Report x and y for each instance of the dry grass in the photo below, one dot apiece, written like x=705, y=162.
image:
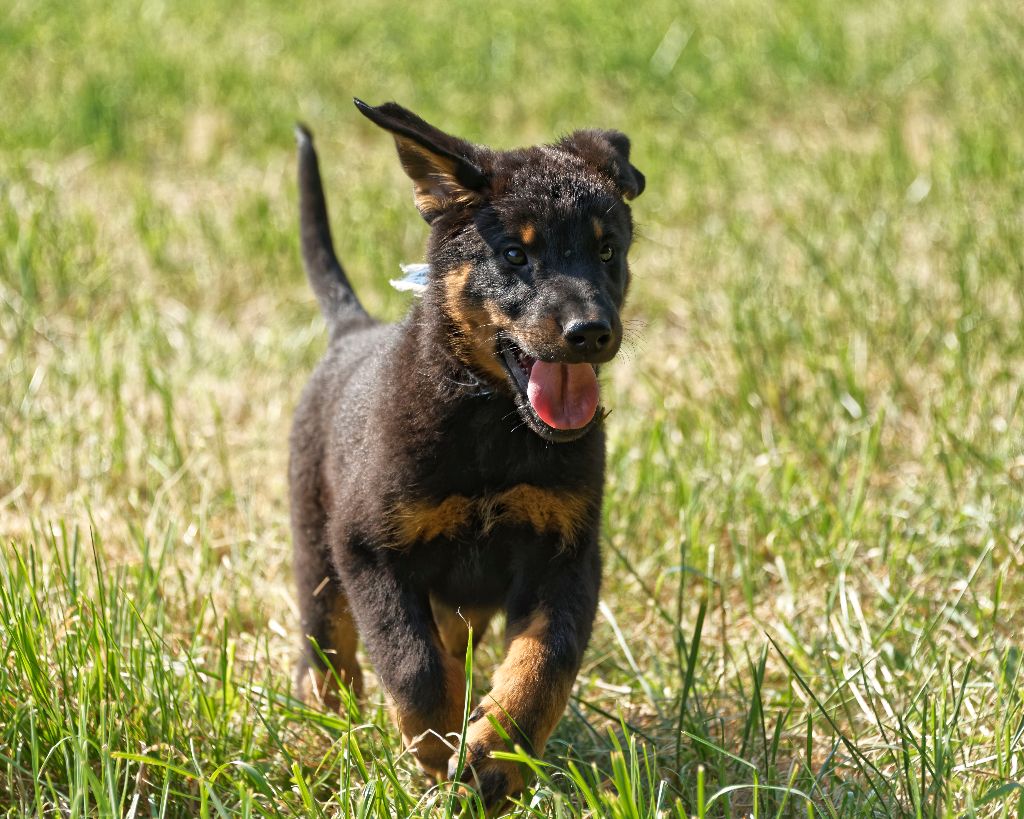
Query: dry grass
x=814, y=525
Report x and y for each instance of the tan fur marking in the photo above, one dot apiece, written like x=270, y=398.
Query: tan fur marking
x=453, y=625
x=486, y=324
x=543, y=509
x=433, y=738
x=345, y=640
x=424, y=521
x=321, y=685
x=538, y=333
x=559, y=512
x=482, y=739
x=598, y=228
x=439, y=189
x=426, y=202
x=521, y=687
x=528, y=234
x=475, y=326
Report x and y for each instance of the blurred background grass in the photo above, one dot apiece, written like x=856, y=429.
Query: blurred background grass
x=816, y=433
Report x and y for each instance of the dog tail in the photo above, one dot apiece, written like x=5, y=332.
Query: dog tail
x=337, y=299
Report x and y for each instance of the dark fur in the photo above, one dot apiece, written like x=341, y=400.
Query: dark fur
x=422, y=484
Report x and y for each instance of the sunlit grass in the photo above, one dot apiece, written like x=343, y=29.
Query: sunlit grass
x=815, y=517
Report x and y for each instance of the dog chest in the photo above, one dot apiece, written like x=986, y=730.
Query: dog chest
x=560, y=515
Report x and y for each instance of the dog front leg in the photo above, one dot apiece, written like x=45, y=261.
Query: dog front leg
x=548, y=631
x=426, y=685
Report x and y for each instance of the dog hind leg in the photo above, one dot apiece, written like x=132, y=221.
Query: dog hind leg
x=453, y=625
x=327, y=622
x=326, y=617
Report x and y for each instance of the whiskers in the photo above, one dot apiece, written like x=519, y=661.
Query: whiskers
x=633, y=339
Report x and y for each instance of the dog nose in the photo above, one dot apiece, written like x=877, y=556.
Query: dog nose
x=589, y=337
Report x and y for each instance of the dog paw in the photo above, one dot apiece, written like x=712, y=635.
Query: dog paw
x=493, y=779
x=431, y=753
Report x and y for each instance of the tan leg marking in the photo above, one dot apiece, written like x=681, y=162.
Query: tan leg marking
x=524, y=696
x=321, y=685
x=433, y=738
x=453, y=625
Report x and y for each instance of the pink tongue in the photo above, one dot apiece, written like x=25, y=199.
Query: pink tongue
x=563, y=395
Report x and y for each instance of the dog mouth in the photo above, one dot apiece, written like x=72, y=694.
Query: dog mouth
x=558, y=400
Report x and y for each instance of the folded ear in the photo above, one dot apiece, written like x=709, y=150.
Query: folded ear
x=444, y=169
x=608, y=153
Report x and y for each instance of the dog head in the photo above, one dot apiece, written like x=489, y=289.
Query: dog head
x=528, y=259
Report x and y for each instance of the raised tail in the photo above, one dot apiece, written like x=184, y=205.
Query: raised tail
x=338, y=301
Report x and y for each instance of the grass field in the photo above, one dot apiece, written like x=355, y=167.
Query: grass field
x=814, y=533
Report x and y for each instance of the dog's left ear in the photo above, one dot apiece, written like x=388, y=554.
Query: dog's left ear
x=608, y=153
x=445, y=170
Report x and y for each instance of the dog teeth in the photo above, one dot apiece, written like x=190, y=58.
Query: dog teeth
x=522, y=360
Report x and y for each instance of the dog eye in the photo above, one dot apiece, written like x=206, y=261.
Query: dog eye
x=516, y=256
x=606, y=253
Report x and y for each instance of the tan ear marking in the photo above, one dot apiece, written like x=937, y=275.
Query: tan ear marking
x=435, y=182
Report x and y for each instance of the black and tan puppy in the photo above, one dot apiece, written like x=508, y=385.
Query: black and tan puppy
x=450, y=467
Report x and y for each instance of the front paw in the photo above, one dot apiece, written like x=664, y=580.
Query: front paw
x=432, y=753
x=493, y=779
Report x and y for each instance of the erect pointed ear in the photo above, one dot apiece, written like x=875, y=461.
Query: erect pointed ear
x=608, y=153
x=444, y=169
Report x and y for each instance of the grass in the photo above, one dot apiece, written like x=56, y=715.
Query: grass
x=815, y=520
